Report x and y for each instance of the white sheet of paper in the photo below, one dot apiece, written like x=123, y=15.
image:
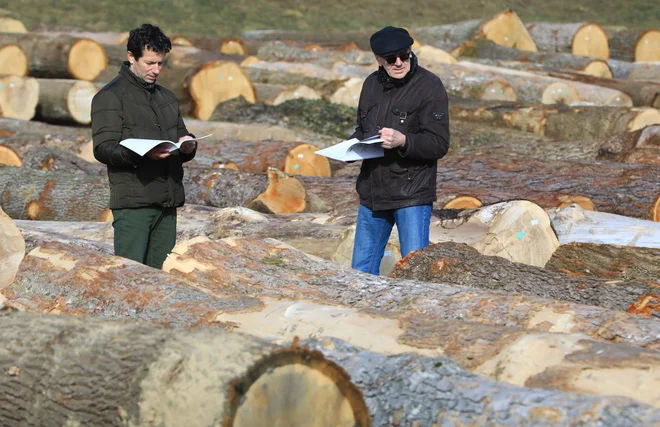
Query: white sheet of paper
x=142, y=146
x=354, y=149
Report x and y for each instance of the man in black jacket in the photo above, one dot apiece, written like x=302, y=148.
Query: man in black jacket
x=144, y=190
x=407, y=106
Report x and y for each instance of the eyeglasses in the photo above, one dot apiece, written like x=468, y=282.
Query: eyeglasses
x=392, y=59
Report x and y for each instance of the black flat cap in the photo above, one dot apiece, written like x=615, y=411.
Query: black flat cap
x=390, y=40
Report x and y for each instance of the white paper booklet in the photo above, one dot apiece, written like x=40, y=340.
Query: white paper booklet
x=354, y=149
x=142, y=146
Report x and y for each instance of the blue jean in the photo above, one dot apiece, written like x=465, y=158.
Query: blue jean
x=374, y=228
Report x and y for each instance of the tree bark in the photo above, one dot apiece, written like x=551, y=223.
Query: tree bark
x=12, y=250
x=607, y=261
x=15, y=127
x=65, y=101
x=63, y=57
x=68, y=149
x=430, y=391
x=460, y=264
x=19, y=97
x=280, y=51
x=55, y=159
x=557, y=122
x=641, y=146
x=585, y=39
x=274, y=270
x=31, y=194
x=141, y=374
x=633, y=45
x=574, y=224
x=70, y=279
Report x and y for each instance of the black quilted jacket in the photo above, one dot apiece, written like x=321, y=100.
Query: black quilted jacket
x=417, y=106
x=129, y=107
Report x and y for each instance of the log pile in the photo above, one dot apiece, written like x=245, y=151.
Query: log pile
x=536, y=303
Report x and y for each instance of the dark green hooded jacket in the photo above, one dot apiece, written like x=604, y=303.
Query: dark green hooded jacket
x=129, y=107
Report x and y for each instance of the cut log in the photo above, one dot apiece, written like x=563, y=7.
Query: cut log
x=62, y=57
x=641, y=93
x=633, y=45
x=284, y=194
x=349, y=93
x=102, y=37
x=459, y=264
x=271, y=94
x=12, y=250
x=9, y=25
x=585, y=39
x=275, y=270
x=55, y=159
x=324, y=39
x=467, y=80
x=505, y=29
x=433, y=54
x=417, y=383
x=18, y=97
x=178, y=40
x=557, y=122
x=66, y=101
x=634, y=70
x=574, y=224
x=13, y=61
x=13, y=149
x=14, y=127
x=136, y=372
x=641, y=146
x=518, y=231
x=607, y=261
x=32, y=194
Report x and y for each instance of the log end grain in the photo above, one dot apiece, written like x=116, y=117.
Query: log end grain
x=655, y=210
x=79, y=101
x=13, y=61
x=582, y=201
x=9, y=156
x=434, y=54
x=299, y=92
x=507, y=29
x=19, y=97
x=178, y=40
x=284, y=194
x=9, y=25
x=303, y=160
x=498, y=90
x=591, y=40
x=216, y=82
x=326, y=394
x=233, y=46
x=560, y=93
x=598, y=68
x=463, y=202
x=106, y=215
x=645, y=117
x=87, y=58
x=647, y=46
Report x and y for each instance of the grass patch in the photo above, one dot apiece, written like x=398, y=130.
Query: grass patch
x=212, y=18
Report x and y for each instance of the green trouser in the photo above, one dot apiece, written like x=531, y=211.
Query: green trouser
x=145, y=235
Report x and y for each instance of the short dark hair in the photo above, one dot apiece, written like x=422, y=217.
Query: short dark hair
x=147, y=36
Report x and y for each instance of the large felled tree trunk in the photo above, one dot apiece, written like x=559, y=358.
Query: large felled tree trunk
x=139, y=374
x=279, y=271
x=31, y=194
x=607, y=261
x=13, y=61
x=583, y=39
x=280, y=51
x=61, y=57
x=634, y=45
x=558, y=122
x=459, y=264
x=66, y=101
x=574, y=224
x=44, y=285
x=430, y=393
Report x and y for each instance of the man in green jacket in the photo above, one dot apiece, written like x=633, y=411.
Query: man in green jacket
x=144, y=190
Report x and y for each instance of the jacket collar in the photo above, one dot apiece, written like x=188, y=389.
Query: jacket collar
x=390, y=83
x=126, y=72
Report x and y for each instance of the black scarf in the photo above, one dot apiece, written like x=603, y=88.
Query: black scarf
x=390, y=83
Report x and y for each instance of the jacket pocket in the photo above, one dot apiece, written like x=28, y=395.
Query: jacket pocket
x=368, y=120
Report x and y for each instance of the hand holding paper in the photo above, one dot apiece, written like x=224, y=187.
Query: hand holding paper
x=354, y=149
x=162, y=147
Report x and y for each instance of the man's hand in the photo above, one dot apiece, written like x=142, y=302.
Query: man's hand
x=391, y=138
x=160, y=151
x=187, y=147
